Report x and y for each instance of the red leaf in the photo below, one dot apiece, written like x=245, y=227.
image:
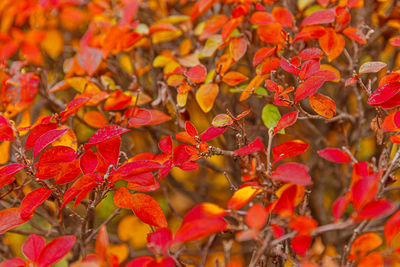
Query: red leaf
x=88, y=162
x=288, y=149
x=286, y=203
x=211, y=133
x=300, y=243
x=202, y=220
x=289, y=67
x=319, y=17
x=105, y=133
x=89, y=59
x=375, y=209
x=13, y=262
x=56, y=250
x=190, y=129
x=365, y=190
x=10, y=218
x=140, y=118
x=33, y=200
x=46, y=139
x=197, y=74
x=6, y=132
x=204, y=210
x=286, y=121
x=123, y=198
x=73, y=107
x=334, y=155
x=255, y=146
x=10, y=170
x=309, y=87
x=340, y=205
x=159, y=241
x=384, y=93
x=131, y=169
x=38, y=131
x=311, y=53
x=148, y=210
x=396, y=119
x=392, y=227
x=165, y=145
x=256, y=216
x=292, y=173
x=198, y=229
x=33, y=246
x=110, y=149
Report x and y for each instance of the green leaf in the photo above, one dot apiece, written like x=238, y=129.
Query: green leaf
x=270, y=116
x=261, y=91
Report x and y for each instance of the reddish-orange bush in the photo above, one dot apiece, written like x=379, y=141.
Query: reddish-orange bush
x=240, y=133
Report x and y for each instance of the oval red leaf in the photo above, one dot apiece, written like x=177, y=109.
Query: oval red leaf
x=33, y=200
x=334, y=155
x=292, y=173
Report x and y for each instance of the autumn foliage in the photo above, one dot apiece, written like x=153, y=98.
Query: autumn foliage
x=199, y=133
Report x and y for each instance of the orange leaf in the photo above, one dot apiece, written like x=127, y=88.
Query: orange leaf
x=242, y=196
x=206, y=95
x=102, y=243
x=123, y=198
x=95, y=119
x=323, y=105
x=233, y=78
x=256, y=216
x=237, y=48
x=331, y=43
x=148, y=210
x=272, y=33
x=303, y=224
x=363, y=244
x=252, y=86
x=373, y=259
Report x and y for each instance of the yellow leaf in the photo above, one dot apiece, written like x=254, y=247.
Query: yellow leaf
x=137, y=238
x=80, y=84
x=4, y=152
x=53, y=44
x=25, y=122
x=119, y=250
x=165, y=36
x=68, y=139
x=126, y=63
x=206, y=95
